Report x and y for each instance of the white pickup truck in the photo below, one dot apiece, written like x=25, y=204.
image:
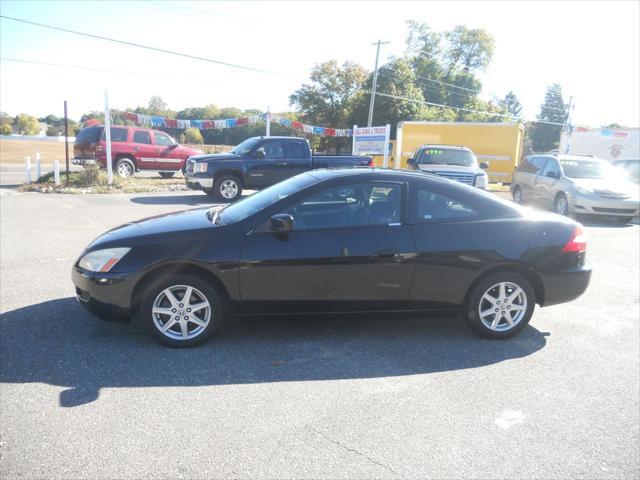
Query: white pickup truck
x=450, y=161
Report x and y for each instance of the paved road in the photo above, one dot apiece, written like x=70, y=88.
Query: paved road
x=305, y=398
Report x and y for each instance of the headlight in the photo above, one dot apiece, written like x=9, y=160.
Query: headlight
x=583, y=190
x=200, y=167
x=482, y=180
x=102, y=260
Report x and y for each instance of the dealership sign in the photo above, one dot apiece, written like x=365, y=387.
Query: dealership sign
x=371, y=141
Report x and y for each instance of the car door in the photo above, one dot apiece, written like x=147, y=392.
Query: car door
x=266, y=160
x=143, y=149
x=547, y=183
x=536, y=166
x=167, y=157
x=350, y=249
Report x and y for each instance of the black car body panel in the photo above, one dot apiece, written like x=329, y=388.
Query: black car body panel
x=413, y=263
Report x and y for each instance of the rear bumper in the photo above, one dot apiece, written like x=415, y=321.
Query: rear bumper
x=595, y=205
x=565, y=286
x=107, y=296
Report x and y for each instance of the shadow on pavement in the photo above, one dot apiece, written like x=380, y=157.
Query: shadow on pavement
x=195, y=199
x=58, y=343
x=605, y=222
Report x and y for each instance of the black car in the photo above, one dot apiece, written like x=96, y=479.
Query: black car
x=344, y=240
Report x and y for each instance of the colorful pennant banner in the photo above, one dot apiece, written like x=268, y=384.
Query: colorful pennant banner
x=154, y=121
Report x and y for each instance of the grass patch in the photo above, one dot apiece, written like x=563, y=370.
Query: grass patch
x=93, y=179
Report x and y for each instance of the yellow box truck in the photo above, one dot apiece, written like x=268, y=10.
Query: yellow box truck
x=498, y=144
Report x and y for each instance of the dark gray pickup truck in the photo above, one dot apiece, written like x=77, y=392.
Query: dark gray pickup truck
x=259, y=162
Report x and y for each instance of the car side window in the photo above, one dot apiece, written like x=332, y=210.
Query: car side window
x=551, y=166
x=163, y=139
x=349, y=206
x=142, y=136
x=427, y=206
x=295, y=150
x=273, y=150
x=536, y=165
x=117, y=134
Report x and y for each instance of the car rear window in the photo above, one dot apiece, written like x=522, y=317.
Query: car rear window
x=89, y=135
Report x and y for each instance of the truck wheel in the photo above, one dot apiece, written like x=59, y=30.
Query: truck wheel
x=166, y=174
x=125, y=167
x=227, y=188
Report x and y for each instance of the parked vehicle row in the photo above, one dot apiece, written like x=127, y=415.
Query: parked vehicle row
x=574, y=184
x=336, y=240
x=259, y=162
x=132, y=149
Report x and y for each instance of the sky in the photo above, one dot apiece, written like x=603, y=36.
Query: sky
x=590, y=48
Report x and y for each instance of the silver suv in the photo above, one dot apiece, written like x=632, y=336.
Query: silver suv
x=575, y=184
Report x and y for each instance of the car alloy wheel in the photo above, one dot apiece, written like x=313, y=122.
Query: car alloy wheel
x=517, y=196
x=181, y=312
x=229, y=189
x=502, y=306
x=124, y=169
x=562, y=206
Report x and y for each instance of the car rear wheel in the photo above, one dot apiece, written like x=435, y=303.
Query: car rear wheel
x=125, y=168
x=227, y=188
x=500, y=305
x=166, y=174
x=182, y=311
x=517, y=195
x=561, y=204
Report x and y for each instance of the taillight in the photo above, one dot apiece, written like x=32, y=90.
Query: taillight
x=370, y=164
x=578, y=241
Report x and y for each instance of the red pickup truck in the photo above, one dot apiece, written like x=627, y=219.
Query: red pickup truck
x=132, y=149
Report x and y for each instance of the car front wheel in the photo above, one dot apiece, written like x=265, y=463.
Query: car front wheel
x=227, y=188
x=182, y=311
x=517, y=195
x=500, y=305
x=561, y=204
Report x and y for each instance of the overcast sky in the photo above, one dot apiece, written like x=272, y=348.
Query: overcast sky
x=591, y=48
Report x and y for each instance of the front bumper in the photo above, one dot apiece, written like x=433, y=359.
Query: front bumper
x=565, y=286
x=197, y=182
x=595, y=204
x=107, y=295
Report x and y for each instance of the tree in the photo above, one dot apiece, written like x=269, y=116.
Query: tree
x=328, y=99
x=5, y=129
x=511, y=104
x=27, y=125
x=468, y=49
x=192, y=136
x=553, y=112
x=91, y=118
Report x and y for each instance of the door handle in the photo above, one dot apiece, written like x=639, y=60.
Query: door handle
x=387, y=253
x=282, y=164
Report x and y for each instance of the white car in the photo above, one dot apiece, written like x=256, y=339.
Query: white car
x=450, y=161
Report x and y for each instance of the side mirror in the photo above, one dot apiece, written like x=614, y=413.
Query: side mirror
x=259, y=154
x=412, y=161
x=175, y=145
x=484, y=165
x=281, y=223
x=552, y=175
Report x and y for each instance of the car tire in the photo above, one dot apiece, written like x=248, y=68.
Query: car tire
x=561, y=204
x=490, y=294
x=517, y=195
x=170, y=317
x=227, y=188
x=624, y=220
x=167, y=174
x=125, y=167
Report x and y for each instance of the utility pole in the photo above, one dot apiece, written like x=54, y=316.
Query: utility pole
x=566, y=128
x=375, y=82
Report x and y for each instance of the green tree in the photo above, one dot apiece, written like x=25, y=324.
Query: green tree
x=545, y=134
x=27, y=125
x=468, y=49
x=207, y=112
x=511, y=104
x=192, y=136
x=5, y=129
x=93, y=116
x=328, y=99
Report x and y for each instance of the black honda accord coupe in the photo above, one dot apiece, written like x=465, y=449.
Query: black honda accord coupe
x=350, y=240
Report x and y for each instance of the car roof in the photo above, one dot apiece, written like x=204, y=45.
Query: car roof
x=374, y=172
x=445, y=147
x=282, y=137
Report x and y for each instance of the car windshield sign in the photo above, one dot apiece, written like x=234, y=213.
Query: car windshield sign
x=236, y=212
x=245, y=147
x=438, y=156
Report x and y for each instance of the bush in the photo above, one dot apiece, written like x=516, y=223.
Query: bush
x=192, y=136
x=5, y=129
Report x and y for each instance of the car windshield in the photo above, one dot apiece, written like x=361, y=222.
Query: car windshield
x=236, y=212
x=589, y=169
x=439, y=156
x=246, y=146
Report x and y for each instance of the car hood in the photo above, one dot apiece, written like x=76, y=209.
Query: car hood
x=435, y=168
x=607, y=185
x=187, y=220
x=214, y=157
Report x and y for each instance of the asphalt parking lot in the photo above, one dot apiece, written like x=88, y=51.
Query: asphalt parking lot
x=380, y=397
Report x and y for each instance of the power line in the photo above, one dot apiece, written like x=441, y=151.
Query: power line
x=437, y=81
x=398, y=97
x=147, y=47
